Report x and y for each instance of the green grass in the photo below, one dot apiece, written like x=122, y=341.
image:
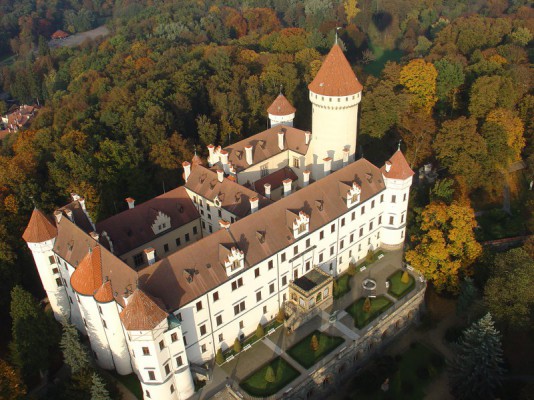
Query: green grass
x=397, y=288
x=305, y=356
x=408, y=376
x=131, y=382
x=342, y=286
x=361, y=318
x=497, y=224
x=251, y=339
x=381, y=58
x=256, y=385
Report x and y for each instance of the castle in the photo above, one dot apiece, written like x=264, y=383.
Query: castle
x=162, y=286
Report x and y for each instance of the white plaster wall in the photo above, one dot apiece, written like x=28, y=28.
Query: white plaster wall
x=115, y=337
x=393, y=235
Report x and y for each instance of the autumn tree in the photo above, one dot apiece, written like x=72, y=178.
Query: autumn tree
x=450, y=78
x=489, y=92
x=447, y=247
x=237, y=345
x=314, y=343
x=11, y=385
x=351, y=9
x=260, y=332
x=207, y=131
x=366, y=305
x=417, y=131
x=219, y=357
x=419, y=78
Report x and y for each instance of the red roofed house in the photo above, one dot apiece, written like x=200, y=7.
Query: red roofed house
x=59, y=34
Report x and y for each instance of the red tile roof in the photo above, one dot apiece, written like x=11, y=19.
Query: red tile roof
x=335, y=77
x=39, y=229
x=104, y=294
x=87, y=278
x=59, y=34
x=275, y=179
x=142, y=312
x=399, y=167
x=281, y=106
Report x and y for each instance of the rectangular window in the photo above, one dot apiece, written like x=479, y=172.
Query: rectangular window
x=172, y=389
x=167, y=371
x=321, y=257
x=174, y=337
x=402, y=218
x=221, y=337
x=342, y=221
x=381, y=198
x=138, y=259
x=308, y=243
x=363, y=210
x=340, y=260
x=295, y=250
x=321, y=235
x=220, y=213
x=352, y=237
x=237, y=284
x=284, y=280
x=391, y=219
x=187, y=237
x=59, y=282
x=341, y=244
x=179, y=316
x=210, y=228
x=104, y=324
x=361, y=232
x=393, y=198
x=353, y=216
x=166, y=247
x=332, y=250
x=185, y=340
x=404, y=197
x=373, y=204
x=283, y=257
x=380, y=220
x=195, y=230
x=256, y=272
x=208, y=206
x=218, y=320
x=52, y=260
x=178, y=242
x=146, y=351
x=199, y=305
x=296, y=162
x=239, y=308
x=215, y=296
x=151, y=375
x=332, y=228
x=202, y=330
x=147, y=393
x=258, y=296
x=264, y=170
x=161, y=345
x=241, y=325
x=271, y=288
x=209, y=216
x=295, y=274
x=179, y=361
x=308, y=265
x=265, y=309
x=270, y=264
x=371, y=226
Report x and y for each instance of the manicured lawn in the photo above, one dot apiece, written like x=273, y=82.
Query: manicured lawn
x=382, y=56
x=361, y=318
x=408, y=376
x=397, y=288
x=342, y=286
x=303, y=353
x=256, y=385
x=131, y=382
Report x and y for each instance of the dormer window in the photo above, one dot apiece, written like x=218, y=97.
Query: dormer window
x=353, y=195
x=162, y=222
x=301, y=225
x=235, y=261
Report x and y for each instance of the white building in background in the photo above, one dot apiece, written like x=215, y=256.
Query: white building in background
x=160, y=287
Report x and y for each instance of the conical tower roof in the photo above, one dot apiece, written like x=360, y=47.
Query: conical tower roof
x=142, y=312
x=104, y=294
x=335, y=77
x=281, y=106
x=39, y=229
x=400, y=169
x=87, y=278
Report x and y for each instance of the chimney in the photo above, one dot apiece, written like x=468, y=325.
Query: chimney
x=224, y=224
x=81, y=200
x=307, y=137
x=211, y=150
x=150, y=255
x=281, y=140
x=69, y=214
x=58, y=214
x=75, y=197
x=95, y=235
x=220, y=175
x=327, y=166
x=306, y=178
x=224, y=161
x=131, y=202
x=187, y=169
x=287, y=186
x=248, y=154
x=345, y=156
x=388, y=166
x=254, y=203
x=267, y=187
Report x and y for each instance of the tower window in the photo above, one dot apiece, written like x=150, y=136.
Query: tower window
x=296, y=162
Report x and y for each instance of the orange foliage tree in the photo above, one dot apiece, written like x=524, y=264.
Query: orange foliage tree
x=419, y=77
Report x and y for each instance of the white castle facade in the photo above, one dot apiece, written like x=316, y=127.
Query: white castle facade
x=162, y=286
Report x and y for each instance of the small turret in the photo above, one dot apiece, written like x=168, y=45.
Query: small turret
x=281, y=112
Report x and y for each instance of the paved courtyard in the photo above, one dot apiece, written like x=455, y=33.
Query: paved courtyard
x=277, y=343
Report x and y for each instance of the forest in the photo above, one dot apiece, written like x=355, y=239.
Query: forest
x=452, y=80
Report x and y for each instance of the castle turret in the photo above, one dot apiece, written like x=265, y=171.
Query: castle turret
x=397, y=176
x=281, y=112
x=335, y=94
x=40, y=235
x=158, y=349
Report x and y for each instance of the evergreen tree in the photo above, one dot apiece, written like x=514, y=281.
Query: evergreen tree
x=476, y=370
x=219, y=357
x=269, y=375
x=74, y=352
x=237, y=345
x=468, y=294
x=260, y=332
x=98, y=390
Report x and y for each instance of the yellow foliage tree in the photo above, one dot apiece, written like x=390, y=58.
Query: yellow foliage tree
x=447, y=246
x=419, y=77
x=351, y=9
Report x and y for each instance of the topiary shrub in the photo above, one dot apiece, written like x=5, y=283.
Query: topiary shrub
x=269, y=375
x=219, y=358
x=280, y=316
x=260, y=332
x=237, y=345
x=366, y=305
x=405, y=278
x=314, y=343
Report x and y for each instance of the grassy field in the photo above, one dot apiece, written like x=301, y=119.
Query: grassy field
x=397, y=288
x=342, y=286
x=382, y=56
x=361, y=318
x=256, y=385
x=305, y=356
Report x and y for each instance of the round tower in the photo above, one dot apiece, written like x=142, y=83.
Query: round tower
x=397, y=176
x=281, y=112
x=335, y=94
x=40, y=235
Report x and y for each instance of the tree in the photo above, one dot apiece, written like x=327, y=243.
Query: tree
x=489, y=92
x=11, y=385
x=270, y=375
x=219, y=357
x=419, y=78
x=447, y=246
x=237, y=345
x=75, y=354
x=443, y=190
x=417, y=131
x=366, y=305
x=314, y=343
x=508, y=292
x=405, y=278
x=476, y=370
x=351, y=9
x=450, y=78
x=207, y=131
x=280, y=316
x=468, y=294
x=521, y=36
x=98, y=390
x=260, y=332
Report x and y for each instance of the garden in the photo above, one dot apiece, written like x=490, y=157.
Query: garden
x=269, y=378
x=342, y=286
x=400, y=284
x=364, y=310
x=313, y=348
